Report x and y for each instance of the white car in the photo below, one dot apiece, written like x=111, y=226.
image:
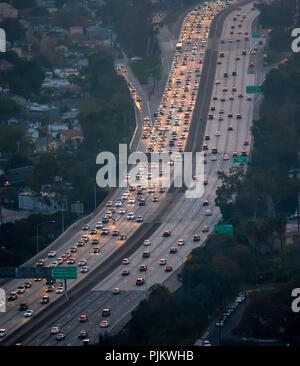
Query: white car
x=208, y=213
x=60, y=290
x=99, y=225
x=217, y=133
x=226, y=157
x=147, y=242
x=84, y=269
x=180, y=242
x=2, y=332
x=162, y=261
x=126, y=261
x=213, y=158
x=131, y=201
x=118, y=204
x=28, y=313
x=122, y=211
x=130, y=216
x=52, y=254
x=82, y=263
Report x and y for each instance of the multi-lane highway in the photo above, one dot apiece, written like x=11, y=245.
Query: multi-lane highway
x=223, y=116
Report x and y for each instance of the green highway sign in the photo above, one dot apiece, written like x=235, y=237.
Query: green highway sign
x=224, y=229
x=253, y=89
x=240, y=159
x=64, y=273
x=256, y=35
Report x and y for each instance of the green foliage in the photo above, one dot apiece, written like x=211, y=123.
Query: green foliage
x=13, y=28
x=14, y=139
x=24, y=4
x=278, y=14
x=106, y=117
x=8, y=108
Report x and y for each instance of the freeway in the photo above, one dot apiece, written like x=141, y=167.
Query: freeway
x=187, y=217
x=108, y=245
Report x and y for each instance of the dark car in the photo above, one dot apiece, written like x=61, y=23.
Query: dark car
x=23, y=307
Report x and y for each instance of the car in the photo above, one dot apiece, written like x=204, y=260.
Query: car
x=37, y=279
x=23, y=307
x=52, y=254
x=116, y=291
x=40, y=263
x=126, y=261
x=54, y=330
x=230, y=128
x=84, y=269
x=115, y=233
x=20, y=290
x=206, y=343
x=93, y=232
x=246, y=143
x=105, y=220
x=82, y=263
x=12, y=296
x=83, y=334
x=147, y=242
x=104, y=324
x=2, y=332
x=104, y=231
x=60, y=290
x=196, y=237
x=205, y=229
x=71, y=261
x=96, y=250
x=219, y=323
x=225, y=157
x=106, y=312
x=82, y=318
x=173, y=250
x=167, y=233
x=143, y=268
x=180, y=242
x=94, y=241
x=50, y=289
x=109, y=204
x=122, y=237
x=146, y=254
x=168, y=269
x=28, y=284
x=162, y=261
x=73, y=249
x=130, y=216
x=99, y=225
x=60, y=337
x=205, y=203
x=251, y=64
x=139, y=219
x=28, y=313
x=140, y=281
x=125, y=273
x=122, y=211
x=208, y=213
x=85, y=227
x=45, y=299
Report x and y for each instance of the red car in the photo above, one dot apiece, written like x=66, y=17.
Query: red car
x=169, y=269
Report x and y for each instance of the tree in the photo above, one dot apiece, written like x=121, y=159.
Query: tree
x=13, y=28
x=24, y=4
